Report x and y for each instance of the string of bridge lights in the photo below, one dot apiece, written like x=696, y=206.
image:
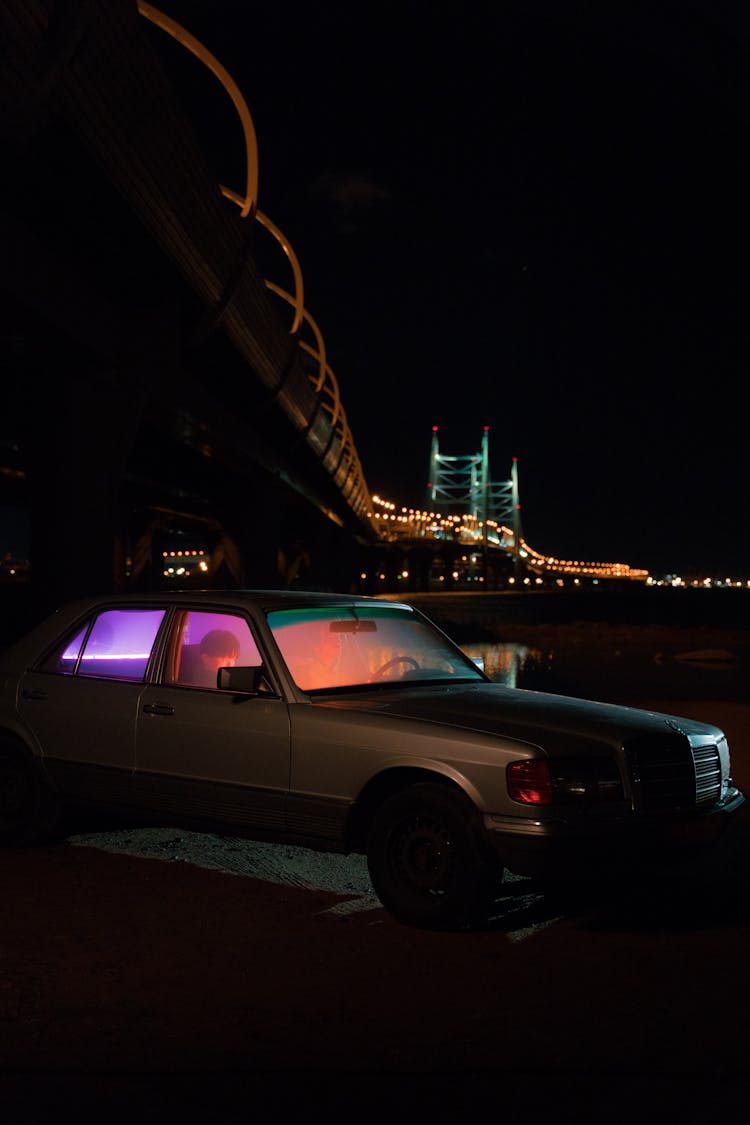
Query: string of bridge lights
x=406, y=523
x=415, y=522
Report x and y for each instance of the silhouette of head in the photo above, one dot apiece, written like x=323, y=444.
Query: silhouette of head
x=219, y=649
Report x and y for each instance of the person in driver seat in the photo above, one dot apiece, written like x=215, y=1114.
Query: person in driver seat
x=318, y=666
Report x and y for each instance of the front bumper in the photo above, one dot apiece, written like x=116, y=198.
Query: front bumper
x=554, y=842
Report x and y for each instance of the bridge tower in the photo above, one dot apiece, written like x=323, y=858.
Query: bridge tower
x=462, y=483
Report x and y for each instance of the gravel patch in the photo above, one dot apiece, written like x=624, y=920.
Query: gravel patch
x=344, y=875
x=275, y=863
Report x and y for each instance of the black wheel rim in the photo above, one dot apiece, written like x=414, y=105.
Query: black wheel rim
x=421, y=856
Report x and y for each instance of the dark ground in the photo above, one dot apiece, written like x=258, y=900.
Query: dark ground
x=137, y=990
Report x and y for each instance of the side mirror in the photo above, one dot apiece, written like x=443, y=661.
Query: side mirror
x=244, y=680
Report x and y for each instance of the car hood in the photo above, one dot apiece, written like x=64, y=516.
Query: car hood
x=530, y=716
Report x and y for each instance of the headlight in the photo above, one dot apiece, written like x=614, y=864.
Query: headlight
x=530, y=781
x=539, y=781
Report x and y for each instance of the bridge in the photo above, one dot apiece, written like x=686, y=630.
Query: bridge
x=470, y=534
x=163, y=398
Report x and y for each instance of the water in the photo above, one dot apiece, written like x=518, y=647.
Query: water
x=505, y=663
x=651, y=644
x=617, y=669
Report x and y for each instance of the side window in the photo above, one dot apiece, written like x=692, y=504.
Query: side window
x=209, y=641
x=116, y=647
x=65, y=656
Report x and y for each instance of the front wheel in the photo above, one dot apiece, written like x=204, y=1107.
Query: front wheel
x=428, y=862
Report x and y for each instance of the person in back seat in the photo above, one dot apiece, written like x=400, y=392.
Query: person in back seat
x=219, y=648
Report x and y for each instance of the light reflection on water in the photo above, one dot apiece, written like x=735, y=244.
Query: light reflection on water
x=615, y=671
x=507, y=663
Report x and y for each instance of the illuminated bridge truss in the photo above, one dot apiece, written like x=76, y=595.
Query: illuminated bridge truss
x=461, y=484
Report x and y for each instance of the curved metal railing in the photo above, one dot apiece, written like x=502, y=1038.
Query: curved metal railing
x=337, y=453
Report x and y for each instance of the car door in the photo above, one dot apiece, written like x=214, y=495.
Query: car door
x=205, y=755
x=82, y=701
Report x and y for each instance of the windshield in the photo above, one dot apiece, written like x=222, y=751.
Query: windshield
x=351, y=646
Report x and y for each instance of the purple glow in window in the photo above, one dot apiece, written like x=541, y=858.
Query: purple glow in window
x=120, y=643
x=72, y=650
x=63, y=658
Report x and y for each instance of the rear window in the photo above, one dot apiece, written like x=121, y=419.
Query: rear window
x=114, y=645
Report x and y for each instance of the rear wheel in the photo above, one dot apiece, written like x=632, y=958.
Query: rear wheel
x=428, y=861
x=28, y=809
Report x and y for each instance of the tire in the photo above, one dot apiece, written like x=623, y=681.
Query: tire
x=428, y=862
x=29, y=811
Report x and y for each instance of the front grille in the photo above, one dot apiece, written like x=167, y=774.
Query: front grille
x=670, y=774
x=707, y=773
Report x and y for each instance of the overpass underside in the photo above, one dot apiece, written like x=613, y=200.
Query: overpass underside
x=151, y=389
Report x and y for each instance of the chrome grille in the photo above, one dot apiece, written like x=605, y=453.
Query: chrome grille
x=707, y=773
x=670, y=774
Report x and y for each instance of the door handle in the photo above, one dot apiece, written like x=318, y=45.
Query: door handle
x=33, y=693
x=158, y=709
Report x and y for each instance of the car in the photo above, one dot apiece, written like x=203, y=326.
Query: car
x=349, y=724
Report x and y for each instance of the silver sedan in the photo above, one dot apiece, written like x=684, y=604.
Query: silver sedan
x=347, y=724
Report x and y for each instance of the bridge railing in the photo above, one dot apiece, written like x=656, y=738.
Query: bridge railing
x=315, y=408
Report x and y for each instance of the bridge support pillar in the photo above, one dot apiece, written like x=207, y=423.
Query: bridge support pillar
x=258, y=528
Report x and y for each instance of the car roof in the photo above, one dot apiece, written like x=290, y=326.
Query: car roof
x=259, y=598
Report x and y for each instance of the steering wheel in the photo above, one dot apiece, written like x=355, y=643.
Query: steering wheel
x=393, y=663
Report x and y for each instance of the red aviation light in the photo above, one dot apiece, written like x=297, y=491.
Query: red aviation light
x=530, y=782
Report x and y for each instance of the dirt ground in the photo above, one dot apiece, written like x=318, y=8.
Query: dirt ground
x=139, y=990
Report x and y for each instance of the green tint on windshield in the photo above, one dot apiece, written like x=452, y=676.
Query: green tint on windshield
x=348, y=646
x=278, y=618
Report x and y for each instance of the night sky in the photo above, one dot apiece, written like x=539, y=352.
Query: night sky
x=529, y=216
